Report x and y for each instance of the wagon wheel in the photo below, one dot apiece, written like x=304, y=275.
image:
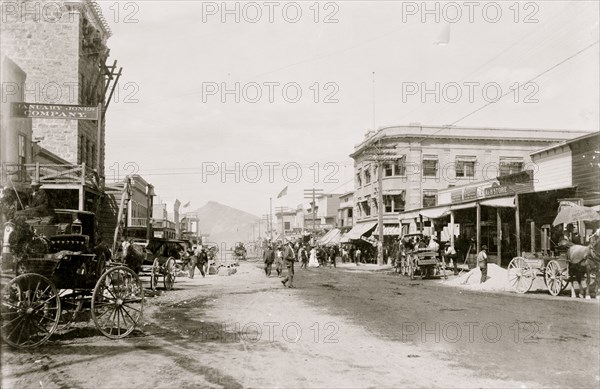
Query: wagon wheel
x=169, y=278
x=71, y=303
x=30, y=311
x=555, y=277
x=154, y=274
x=117, y=302
x=520, y=275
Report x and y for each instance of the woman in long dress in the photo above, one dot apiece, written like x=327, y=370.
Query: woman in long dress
x=312, y=260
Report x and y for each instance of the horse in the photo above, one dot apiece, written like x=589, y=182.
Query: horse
x=133, y=257
x=583, y=261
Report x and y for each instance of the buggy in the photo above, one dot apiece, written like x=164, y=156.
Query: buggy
x=60, y=272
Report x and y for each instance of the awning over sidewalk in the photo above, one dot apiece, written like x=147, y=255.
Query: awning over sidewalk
x=388, y=230
x=359, y=230
x=332, y=237
x=500, y=202
x=435, y=213
x=456, y=207
x=409, y=215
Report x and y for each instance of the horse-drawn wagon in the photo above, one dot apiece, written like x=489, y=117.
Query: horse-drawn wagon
x=420, y=261
x=567, y=264
x=162, y=258
x=61, y=271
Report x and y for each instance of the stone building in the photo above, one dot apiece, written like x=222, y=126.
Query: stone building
x=61, y=46
x=419, y=161
x=15, y=133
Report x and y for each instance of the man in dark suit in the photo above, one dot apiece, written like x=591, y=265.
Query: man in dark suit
x=268, y=258
x=289, y=258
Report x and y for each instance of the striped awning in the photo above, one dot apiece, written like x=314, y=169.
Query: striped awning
x=359, y=230
x=392, y=230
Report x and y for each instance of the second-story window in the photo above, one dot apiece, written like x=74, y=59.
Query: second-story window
x=400, y=167
x=430, y=165
x=367, y=175
x=465, y=166
x=429, y=198
x=510, y=165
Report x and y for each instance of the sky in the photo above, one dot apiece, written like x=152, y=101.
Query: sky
x=214, y=108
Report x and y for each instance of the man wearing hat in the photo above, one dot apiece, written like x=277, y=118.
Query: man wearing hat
x=482, y=263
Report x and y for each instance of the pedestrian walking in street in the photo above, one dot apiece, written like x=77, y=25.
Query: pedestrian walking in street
x=482, y=263
x=451, y=254
x=303, y=256
x=357, y=255
x=269, y=258
x=332, y=255
x=279, y=261
x=313, y=261
x=198, y=260
x=289, y=258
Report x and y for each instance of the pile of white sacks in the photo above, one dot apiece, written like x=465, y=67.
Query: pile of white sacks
x=497, y=279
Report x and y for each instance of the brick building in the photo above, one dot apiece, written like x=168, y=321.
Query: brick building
x=422, y=160
x=61, y=46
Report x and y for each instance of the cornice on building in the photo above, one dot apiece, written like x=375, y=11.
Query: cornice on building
x=422, y=133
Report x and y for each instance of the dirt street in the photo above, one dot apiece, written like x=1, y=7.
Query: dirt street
x=344, y=327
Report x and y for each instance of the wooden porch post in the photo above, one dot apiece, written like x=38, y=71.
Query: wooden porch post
x=517, y=225
x=452, y=228
x=81, y=198
x=478, y=227
x=499, y=234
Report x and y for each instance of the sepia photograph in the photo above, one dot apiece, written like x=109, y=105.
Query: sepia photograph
x=299, y=194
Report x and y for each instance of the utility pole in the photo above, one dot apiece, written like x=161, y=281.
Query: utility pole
x=312, y=193
x=280, y=210
x=380, y=208
x=379, y=154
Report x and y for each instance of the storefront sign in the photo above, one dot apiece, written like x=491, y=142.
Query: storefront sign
x=496, y=190
x=456, y=196
x=470, y=193
x=54, y=111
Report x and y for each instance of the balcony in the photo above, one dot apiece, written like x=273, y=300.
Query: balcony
x=50, y=174
x=163, y=224
x=138, y=222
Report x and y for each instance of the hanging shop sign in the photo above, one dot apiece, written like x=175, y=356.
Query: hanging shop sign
x=54, y=111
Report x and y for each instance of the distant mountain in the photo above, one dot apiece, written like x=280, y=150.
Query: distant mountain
x=225, y=224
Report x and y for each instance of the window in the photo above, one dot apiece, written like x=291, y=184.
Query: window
x=286, y=225
x=388, y=169
x=429, y=198
x=93, y=162
x=400, y=167
x=510, y=165
x=393, y=203
x=81, y=158
x=430, y=165
x=465, y=166
x=349, y=212
x=366, y=209
x=368, y=175
x=359, y=179
x=22, y=151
